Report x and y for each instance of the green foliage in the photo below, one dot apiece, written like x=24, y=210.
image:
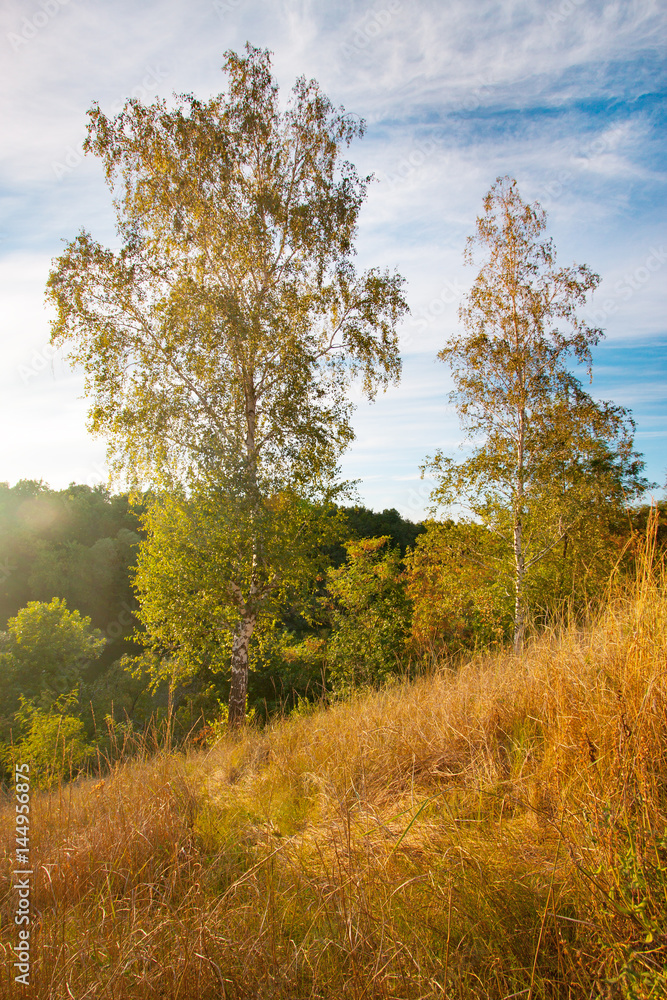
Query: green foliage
x=288, y=669
x=123, y=692
x=45, y=650
x=456, y=577
x=361, y=522
x=67, y=556
x=92, y=576
x=76, y=544
x=197, y=564
x=233, y=295
x=370, y=614
x=53, y=742
x=219, y=341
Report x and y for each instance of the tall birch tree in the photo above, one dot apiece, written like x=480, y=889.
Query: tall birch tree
x=544, y=454
x=220, y=338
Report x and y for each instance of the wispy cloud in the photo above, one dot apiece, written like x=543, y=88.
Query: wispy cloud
x=566, y=95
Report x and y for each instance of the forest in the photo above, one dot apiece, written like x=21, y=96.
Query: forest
x=70, y=559
x=388, y=600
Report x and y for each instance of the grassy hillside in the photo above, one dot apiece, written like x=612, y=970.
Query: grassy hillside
x=495, y=831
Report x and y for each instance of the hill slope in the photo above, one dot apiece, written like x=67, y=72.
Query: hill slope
x=491, y=832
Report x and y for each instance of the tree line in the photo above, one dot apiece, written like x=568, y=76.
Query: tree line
x=77, y=663
x=80, y=669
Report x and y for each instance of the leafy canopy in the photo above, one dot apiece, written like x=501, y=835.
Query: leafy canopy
x=46, y=647
x=198, y=575
x=370, y=614
x=545, y=456
x=218, y=339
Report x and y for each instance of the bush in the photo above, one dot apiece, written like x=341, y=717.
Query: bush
x=54, y=743
x=370, y=615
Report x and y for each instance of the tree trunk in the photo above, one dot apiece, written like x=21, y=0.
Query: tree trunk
x=243, y=630
x=519, y=554
x=563, y=566
x=239, y=685
x=519, y=574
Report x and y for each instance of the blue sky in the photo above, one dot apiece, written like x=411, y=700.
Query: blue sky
x=568, y=96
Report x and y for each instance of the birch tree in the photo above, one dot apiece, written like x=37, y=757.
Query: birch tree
x=220, y=338
x=544, y=454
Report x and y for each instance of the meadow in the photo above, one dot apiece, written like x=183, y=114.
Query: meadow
x=493, y=829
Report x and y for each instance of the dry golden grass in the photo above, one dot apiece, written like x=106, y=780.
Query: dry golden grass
x=495, y=831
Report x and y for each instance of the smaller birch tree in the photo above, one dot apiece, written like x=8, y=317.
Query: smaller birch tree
x=203, y=588
x=550, y=456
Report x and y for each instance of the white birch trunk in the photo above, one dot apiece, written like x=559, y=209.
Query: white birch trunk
x=519, y=574
x=519, y=553
x=238, y=690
